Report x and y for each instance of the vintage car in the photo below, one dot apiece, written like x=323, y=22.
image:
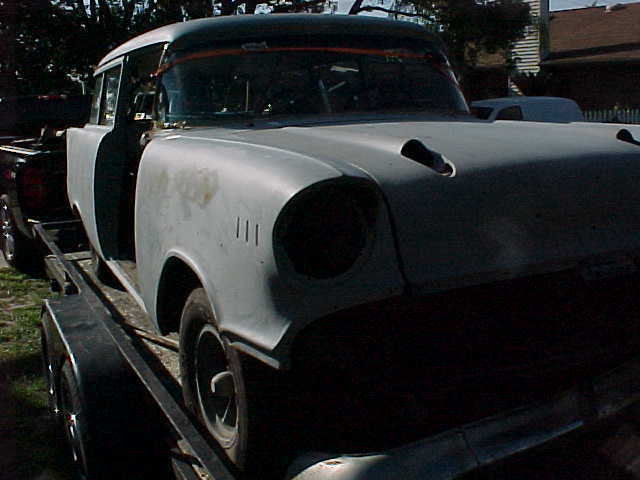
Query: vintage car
x=352, y=261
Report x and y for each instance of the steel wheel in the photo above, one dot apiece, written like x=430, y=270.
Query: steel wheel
x=7, y=241
x=237, y=399
x=50, y=375
x=215, y=387
x=73, y=420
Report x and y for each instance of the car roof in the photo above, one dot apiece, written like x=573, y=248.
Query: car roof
x=195, y=32
x=519, y=100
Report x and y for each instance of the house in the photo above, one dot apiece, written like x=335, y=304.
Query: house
x=594, y=55
x=591, y=55
x=491, y=77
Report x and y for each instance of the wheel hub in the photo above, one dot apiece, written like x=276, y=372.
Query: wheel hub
x=216, y=388
x=7, y=233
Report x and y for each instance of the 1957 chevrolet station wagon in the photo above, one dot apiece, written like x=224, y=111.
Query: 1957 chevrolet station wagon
x=351, y=260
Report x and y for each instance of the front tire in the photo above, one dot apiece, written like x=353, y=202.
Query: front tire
x=235, y=397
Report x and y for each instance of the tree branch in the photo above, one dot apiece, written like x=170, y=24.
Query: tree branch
x=81, y=8
x=386, y=10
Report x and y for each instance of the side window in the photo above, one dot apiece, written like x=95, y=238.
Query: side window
x=144, y=64
x=95, y=100
x=109, y=102
x=510, y=113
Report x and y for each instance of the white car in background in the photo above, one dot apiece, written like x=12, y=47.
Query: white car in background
x=533, y=109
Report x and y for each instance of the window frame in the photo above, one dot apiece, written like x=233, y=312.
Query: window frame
x=106, y=90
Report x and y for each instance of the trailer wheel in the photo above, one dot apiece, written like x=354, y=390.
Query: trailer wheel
x=74, y=421
x=50, y=373
x=14, y=245
x=233, y=397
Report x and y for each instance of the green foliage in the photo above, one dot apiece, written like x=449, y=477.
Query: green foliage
x=468, y=27
x=45, y=42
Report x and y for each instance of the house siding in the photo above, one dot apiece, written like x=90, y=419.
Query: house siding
x=527, y=52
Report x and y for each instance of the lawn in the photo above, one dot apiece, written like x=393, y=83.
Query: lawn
x=32, y=446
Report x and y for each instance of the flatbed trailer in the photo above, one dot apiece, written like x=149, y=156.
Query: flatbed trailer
x=114, y=386
x=98, y=365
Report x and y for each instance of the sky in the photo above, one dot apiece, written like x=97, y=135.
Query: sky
x=571, y=4
x=344, y=5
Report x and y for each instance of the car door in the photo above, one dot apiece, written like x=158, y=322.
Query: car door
x=92, y=161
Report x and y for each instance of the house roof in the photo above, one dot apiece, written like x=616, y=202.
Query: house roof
x=594, y=35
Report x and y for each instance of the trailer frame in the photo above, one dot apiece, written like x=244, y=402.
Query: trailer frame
x=80, y=329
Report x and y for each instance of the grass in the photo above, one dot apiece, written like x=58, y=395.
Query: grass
x=31, y=445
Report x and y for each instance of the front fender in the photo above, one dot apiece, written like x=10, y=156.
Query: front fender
x=217, y=202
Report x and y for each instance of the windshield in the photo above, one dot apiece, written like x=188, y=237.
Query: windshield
x=322, y=76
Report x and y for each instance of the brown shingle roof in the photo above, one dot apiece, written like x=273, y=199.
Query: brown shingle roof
x=594, y=34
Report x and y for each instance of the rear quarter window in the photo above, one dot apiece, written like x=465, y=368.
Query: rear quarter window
x=510, y=113
x=95, y=100
x=109, y=96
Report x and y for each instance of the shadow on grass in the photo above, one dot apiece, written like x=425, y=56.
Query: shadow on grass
x=32, y=444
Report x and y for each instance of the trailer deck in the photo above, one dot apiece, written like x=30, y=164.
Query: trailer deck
x=113, y=319
x=102, y=330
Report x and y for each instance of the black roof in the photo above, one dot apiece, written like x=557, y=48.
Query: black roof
x=194, y=32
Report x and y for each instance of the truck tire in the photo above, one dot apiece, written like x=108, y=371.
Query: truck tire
x=17, y=249
x=235, y=397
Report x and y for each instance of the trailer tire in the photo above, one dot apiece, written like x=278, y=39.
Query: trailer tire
x=235, y=397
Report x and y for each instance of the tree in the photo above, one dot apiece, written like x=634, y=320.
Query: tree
x=44, y=42
x=47, y=41
x=468, y=27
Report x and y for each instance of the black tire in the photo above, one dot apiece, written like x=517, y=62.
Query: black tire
x=18, y=250
x=243, y=413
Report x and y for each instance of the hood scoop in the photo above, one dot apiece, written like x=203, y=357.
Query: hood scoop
x=625, y=135
x=418, y=152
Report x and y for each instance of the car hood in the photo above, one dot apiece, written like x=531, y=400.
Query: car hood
x=519, y=198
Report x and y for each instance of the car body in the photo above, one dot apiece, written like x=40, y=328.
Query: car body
x=531, y=109
x=330, y=220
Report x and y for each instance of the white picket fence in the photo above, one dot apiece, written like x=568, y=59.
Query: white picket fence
x=613, y=115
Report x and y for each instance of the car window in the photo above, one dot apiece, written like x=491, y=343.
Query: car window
x=144, y=64
x=510, y=113
x=95, y=100
x=318, y=75
x=109, y=97
x=482, y=112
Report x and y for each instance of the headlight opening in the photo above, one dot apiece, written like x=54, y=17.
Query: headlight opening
x=324, y=231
